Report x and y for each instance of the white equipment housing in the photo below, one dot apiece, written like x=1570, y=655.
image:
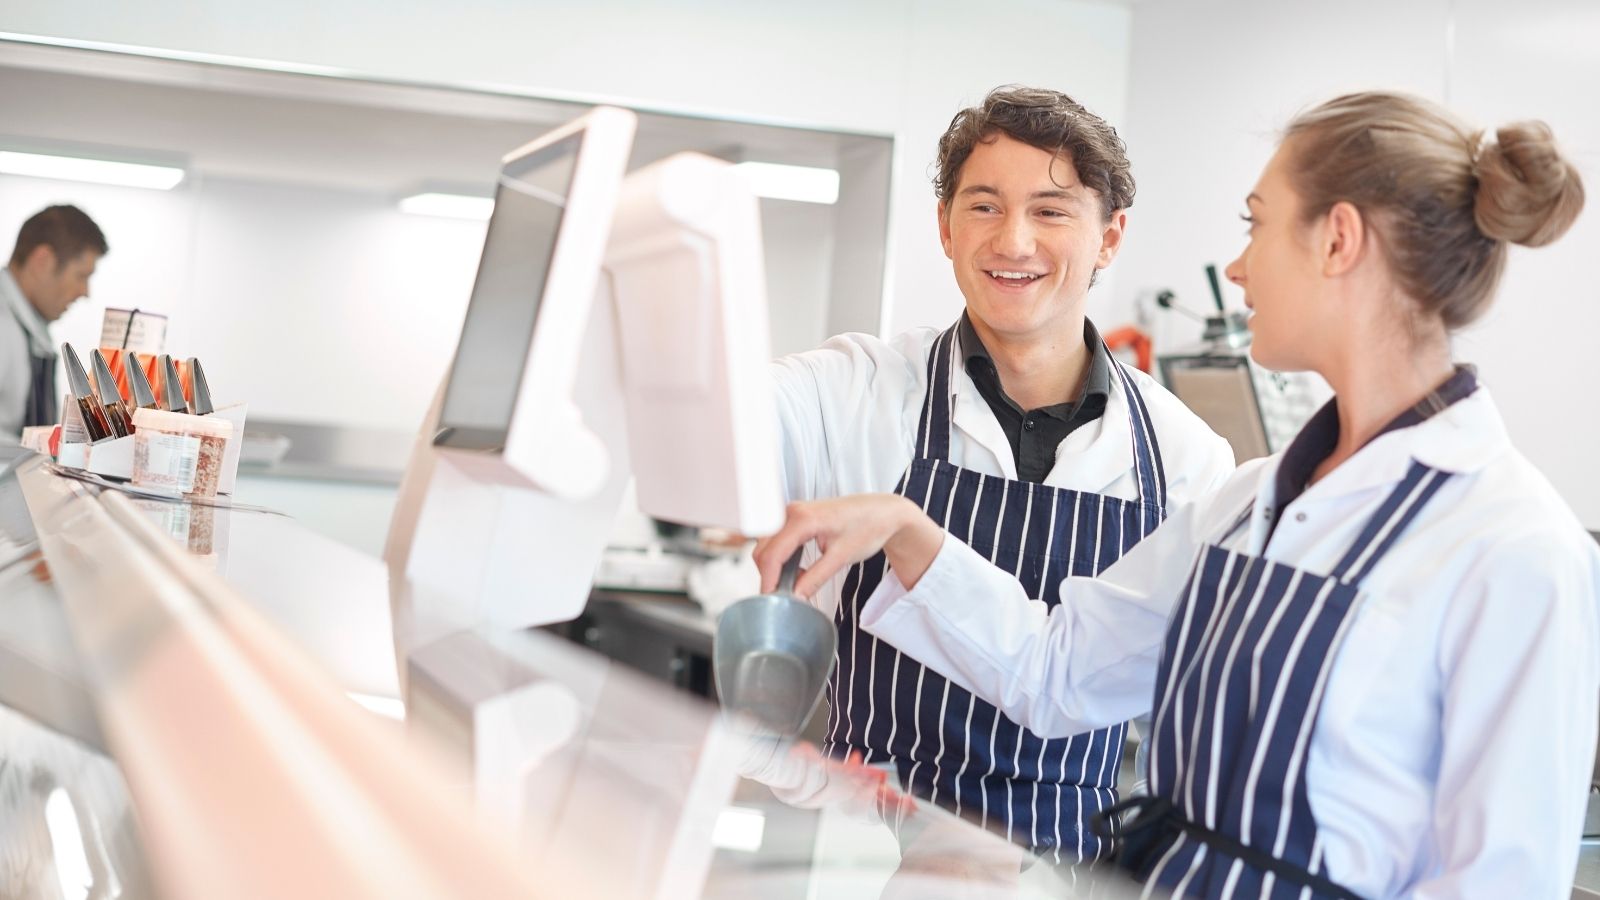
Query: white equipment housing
x=664, y=361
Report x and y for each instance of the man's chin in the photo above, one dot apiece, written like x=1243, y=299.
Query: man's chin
x=1015, y=322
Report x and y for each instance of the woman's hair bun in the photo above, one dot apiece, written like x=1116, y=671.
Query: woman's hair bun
x=1528, y=193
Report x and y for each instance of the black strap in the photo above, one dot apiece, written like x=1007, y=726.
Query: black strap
x=43, y=401
x=1156, y=824
x=129, y=330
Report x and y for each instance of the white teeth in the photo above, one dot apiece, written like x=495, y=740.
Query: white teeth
x=1014, y=276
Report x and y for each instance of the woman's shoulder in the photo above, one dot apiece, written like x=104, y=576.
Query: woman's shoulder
x=1515, y=511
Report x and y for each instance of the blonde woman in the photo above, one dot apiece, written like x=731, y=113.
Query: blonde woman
x=1371, y=659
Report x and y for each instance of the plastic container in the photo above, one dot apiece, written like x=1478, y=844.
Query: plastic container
x=179, y=453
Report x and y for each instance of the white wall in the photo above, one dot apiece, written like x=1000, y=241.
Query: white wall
x=1211, y=83
x=318, y=305
x=335, y=307
x=900, y=67
x=151, y=234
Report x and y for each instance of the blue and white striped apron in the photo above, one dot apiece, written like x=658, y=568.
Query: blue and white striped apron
x=1238, y=692
x=949, y=747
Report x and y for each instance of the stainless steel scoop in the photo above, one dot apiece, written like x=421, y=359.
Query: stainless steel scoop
x=772, y=656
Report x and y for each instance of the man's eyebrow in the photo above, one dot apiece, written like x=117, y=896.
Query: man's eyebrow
x=1058, y=194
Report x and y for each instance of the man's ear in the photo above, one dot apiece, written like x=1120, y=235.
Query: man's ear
x=41, y=260
x=944, y=231
x=1111, y=239
x=1344, y=239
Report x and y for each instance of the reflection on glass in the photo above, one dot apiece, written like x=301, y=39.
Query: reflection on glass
x=200, y=528
x=66, y=823
x=66, y=840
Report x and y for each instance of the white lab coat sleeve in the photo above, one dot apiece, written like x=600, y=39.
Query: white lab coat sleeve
x=801, y=435
x=1219, y=467
x=1088, y=663
x=1520, y=681
x=841, y=412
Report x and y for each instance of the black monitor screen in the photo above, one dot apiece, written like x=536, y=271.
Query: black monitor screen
x=487, y=373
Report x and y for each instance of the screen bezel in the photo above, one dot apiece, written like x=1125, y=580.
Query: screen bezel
x=493, y=439
x=1241, y=364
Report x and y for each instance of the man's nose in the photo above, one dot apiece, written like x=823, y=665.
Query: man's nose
x=1016, y=237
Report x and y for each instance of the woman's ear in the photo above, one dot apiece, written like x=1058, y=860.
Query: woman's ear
x=1344, y=239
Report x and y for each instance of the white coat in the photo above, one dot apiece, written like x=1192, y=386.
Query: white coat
x=1457, y=736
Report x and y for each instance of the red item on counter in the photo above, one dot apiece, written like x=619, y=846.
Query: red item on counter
x=117, y=360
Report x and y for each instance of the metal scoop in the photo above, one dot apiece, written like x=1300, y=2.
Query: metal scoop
x=143, y=396
x=772, y=656
x=199, y=390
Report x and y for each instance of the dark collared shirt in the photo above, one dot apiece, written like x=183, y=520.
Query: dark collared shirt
x=1035, y=433
x=1320, y=436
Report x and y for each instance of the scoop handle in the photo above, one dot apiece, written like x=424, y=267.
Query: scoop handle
x=790, y=572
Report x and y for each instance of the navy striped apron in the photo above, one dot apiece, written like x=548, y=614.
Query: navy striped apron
x=1238, y=691
x=949, y=747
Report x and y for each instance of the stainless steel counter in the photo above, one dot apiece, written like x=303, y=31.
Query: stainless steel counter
x=334, y=452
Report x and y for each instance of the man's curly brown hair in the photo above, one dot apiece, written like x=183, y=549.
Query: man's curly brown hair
x=1051, y=121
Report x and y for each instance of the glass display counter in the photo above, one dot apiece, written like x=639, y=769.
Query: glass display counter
x=200, y=701
x=602, y=781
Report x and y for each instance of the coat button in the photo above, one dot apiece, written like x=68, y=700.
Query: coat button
x=1299, y=517
x=1027, y=424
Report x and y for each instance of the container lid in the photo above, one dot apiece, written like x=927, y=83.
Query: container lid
x=181, y=423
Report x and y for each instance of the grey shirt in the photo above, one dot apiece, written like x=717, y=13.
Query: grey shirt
x=23, y=336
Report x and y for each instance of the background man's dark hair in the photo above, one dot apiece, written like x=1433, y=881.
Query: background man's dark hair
x=67, y=230
x=1051, y=121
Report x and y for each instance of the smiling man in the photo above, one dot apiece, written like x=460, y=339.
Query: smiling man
x=1017, y=432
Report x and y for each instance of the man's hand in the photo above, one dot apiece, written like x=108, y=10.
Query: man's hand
x=848, y=530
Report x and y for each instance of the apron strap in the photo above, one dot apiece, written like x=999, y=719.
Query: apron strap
x=42, y=397
x=1157, y=824
x=933, y=428
x=1147, y=464
x=1389, y=522
x=1384, y=527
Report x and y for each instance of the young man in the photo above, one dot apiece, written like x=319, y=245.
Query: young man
x=1017, y=432
x=55, y=254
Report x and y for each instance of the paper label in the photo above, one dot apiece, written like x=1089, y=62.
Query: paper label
x=134, y=329
x=72, y=427
x=169, y=461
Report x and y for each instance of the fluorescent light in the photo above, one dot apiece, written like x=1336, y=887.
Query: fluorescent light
x=778, y=182
x=100, y=171
x=451, y=206
x=739, y=828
